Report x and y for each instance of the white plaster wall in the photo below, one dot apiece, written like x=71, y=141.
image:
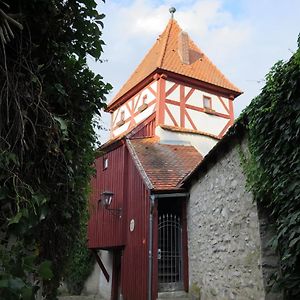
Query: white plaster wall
x=96, y=284
x=145, y=114
x=121, y=129
x=104, y=286
x=202, y=143
x=203, y=121
x=206, y=122
x=135, y=102
x=223, y=235
x=169, y=84
x=175, y=112
x=175, y=95
x=91, y=286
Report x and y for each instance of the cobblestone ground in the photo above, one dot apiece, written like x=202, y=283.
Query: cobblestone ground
x=96, y=297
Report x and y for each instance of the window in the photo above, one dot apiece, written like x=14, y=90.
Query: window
x=122, y=119
x=144, y=99
x=105, y=163
x=207, y=102
x=122, y=115
x=144, y=104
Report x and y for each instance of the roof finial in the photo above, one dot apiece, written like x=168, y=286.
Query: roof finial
x=172, y=10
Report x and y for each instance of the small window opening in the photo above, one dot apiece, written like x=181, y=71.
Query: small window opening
x=144, y=99
x=207, y=102
x=105, y=163
x=122, y=115
x=144, y=104
x=122, y=119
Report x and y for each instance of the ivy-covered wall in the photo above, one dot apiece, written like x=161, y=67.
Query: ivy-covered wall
x=272, y=122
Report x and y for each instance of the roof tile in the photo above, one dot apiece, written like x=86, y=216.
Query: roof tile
x=165, y=165
x=164, y=55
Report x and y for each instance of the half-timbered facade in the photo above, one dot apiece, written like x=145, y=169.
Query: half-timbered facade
x=164, y=120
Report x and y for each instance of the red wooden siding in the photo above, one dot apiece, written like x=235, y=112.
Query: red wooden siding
x=146, y=131
x=135, y=255
x=105, y=229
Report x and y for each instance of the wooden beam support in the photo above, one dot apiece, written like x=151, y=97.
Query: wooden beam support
x=105, y=273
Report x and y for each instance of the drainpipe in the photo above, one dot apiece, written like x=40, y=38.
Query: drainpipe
x=150, y=258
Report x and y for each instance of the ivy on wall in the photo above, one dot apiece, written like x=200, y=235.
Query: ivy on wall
x=80, y=262
x=48, y=99
x=273, y=168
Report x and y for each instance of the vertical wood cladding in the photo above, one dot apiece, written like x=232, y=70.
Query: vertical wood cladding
x=135, y=255
x=146, y=131
x=105, y=229
x=108, y=231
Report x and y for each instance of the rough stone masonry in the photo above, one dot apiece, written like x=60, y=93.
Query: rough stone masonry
x=226, y=238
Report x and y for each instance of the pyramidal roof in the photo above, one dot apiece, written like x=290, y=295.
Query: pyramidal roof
x=165, y=55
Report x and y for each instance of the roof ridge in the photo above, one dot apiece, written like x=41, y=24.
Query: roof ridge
x=164, y=49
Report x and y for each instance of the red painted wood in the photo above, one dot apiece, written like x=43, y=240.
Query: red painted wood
x=231, y=110
x=171, y=116
x=190, y=120
x=132, y=116
x=135, y=255
x=154, y=251
x=224, y=105
x=147, y=130
x=228, y=124
x=160, y=104
x=172, y=89
x=190, y=93
x=102, y=223
x=182, y=106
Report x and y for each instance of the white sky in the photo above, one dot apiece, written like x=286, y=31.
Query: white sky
x=244, y=38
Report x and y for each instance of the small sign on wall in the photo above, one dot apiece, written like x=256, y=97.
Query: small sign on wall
x=131, y=225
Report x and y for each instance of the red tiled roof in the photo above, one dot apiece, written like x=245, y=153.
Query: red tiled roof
x=164, y=55
x=164, y=165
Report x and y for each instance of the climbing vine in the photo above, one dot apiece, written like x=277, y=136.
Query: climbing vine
x=48, y=99
x=80, y=262
x=273, y=168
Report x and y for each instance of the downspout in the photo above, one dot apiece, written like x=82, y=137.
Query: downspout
x=150, y=258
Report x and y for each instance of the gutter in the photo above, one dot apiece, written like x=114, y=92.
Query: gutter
x=152, y=199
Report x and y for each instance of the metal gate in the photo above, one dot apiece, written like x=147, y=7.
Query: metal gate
x=169, y=253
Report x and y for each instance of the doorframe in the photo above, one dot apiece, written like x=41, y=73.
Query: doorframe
x=185, y=264
x=185, y=254
x=116, y=274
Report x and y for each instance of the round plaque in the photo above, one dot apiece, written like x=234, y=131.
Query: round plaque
x=131, y=225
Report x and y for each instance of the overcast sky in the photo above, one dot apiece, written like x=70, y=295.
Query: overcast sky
x=244, y=38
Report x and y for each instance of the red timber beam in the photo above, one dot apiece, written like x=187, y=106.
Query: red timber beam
x=101, y=265
x=161, y=97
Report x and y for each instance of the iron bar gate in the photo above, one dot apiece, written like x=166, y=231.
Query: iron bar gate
x=169, y=253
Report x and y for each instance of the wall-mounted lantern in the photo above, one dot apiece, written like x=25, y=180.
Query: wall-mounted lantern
x=106, y=199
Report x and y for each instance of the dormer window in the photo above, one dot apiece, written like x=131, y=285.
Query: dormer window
x=144, y=104
x=207, y=103
x=122, y=118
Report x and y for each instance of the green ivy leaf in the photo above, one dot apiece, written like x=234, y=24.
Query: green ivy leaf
x=45, y=270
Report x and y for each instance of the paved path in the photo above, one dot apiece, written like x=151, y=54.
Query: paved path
x=96, y=297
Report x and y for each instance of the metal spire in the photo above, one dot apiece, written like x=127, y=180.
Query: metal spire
x=172, y=10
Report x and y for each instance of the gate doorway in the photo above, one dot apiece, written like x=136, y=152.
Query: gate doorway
x=170, y=266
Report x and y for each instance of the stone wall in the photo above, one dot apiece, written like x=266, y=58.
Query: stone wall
x=224, y=241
